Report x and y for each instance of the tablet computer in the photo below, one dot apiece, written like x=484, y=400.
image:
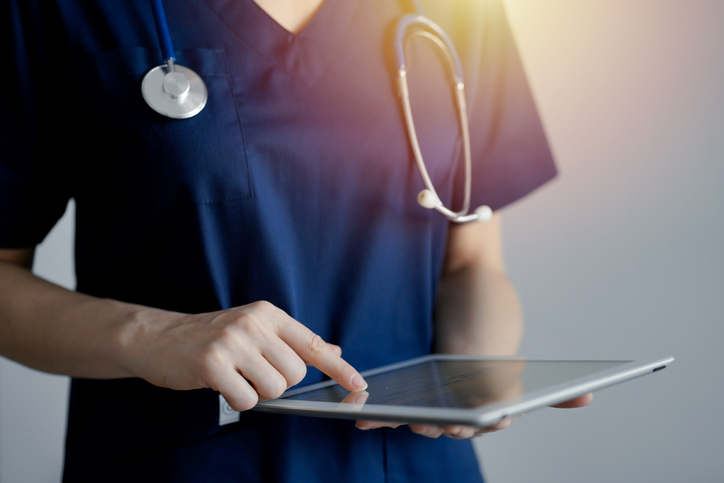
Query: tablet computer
x=452, y=389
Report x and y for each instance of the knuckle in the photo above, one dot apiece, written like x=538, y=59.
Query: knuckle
x=247, y=401
x=250, y=324
x=210, y=372
x=279, y=389
x=273, y=388
x=343, y=369
x=261, y=306
x=226, y=328
x=212, y=360
x=316, y=344
x=297, y=373
x=226, y=332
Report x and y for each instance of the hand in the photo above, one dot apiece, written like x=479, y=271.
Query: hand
x=248, y=353
x=455, y=431
x=460, y=431
x=498, y=388
x=502, y=383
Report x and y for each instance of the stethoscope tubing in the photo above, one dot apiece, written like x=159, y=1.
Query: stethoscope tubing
x=172, y=90
x=429, y=198
x=179, y=93
x=410, y=20
x=164, y=37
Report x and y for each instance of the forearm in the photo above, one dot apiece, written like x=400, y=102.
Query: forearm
x=56, y=330
x=477, y=309
x=478, y=312
x=247, y=353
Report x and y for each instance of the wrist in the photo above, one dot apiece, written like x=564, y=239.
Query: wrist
x=134, y=336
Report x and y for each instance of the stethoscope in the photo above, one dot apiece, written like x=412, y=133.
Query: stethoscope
x=178, y=92
x=170, y=89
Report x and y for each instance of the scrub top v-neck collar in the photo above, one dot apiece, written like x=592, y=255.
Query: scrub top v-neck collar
x=305, y=55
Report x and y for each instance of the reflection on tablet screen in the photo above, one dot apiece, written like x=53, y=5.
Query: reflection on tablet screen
x=462, y=384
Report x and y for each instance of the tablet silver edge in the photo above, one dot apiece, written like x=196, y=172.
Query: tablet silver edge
x=483, y=416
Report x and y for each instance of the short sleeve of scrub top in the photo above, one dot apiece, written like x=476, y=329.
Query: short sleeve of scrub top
x=295, y=184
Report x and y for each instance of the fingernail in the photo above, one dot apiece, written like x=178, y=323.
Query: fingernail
x=358, y=383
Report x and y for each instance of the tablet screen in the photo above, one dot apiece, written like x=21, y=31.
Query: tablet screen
x=462, y=383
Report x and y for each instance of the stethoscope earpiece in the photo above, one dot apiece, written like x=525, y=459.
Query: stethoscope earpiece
x=484, y=212
x=427, y=199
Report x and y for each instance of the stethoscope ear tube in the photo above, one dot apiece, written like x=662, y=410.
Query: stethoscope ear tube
x=418, y=21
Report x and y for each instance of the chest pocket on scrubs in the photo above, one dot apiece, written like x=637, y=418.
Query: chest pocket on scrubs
x=149, y=158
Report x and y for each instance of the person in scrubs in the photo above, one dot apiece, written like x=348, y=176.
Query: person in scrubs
x=270, y=240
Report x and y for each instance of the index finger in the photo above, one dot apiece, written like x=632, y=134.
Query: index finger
x=316, y=352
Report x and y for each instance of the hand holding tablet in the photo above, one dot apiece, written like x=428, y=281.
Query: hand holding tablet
x=454, y=431
x=504, y=384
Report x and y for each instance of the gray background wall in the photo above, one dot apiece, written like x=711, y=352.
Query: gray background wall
x=621, y=256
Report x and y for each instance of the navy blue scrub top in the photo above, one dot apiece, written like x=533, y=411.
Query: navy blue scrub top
x=294, y=185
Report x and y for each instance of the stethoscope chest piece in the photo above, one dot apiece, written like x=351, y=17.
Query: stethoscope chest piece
x=174, y=91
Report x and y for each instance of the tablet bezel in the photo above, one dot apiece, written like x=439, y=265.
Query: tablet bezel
x=482, y=416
